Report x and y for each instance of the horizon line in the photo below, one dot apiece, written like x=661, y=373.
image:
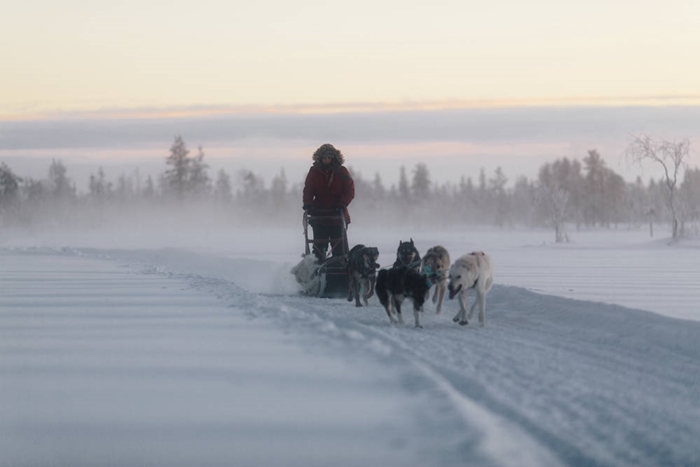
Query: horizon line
x=195, y=111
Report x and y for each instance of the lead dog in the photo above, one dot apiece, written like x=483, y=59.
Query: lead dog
x=398, y=283
x=407, y=255
x=435, y=265
x=362, y=272
x=471, y=271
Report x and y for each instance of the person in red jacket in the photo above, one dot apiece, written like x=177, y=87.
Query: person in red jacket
x=328, y=190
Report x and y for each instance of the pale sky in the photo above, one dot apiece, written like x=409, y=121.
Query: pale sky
x=460, y=85
x=88, y=55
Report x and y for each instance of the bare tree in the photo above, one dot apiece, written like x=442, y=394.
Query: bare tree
x=672, y=157
x=556, y=202
x=556, y=182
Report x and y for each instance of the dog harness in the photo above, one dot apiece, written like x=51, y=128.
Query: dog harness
x=438, y=273
x=412, y=265
x=368, y=270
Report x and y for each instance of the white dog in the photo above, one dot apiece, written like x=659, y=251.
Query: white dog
x=306, y=274
x=471, y=271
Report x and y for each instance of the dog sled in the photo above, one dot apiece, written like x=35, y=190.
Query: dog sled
x=332, y=271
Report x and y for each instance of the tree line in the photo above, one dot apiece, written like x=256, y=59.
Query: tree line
x=567, y=194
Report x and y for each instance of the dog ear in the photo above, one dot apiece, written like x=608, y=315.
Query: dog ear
x=411, y=241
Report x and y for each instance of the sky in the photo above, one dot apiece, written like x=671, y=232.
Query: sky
x=180, y=347
x=135, y=63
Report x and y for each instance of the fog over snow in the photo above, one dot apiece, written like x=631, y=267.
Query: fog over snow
x=171, y=346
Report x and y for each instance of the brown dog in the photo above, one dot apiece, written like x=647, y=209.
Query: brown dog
x=436, y=265
x=362, y=272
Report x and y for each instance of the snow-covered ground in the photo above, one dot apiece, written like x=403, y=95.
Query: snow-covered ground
x=183, y=347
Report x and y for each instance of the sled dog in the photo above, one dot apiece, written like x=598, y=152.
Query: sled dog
x=407, y=255
x=435, y=266
x=471, y=271
x=362, y=272
x=396, y=284
x=306, y=274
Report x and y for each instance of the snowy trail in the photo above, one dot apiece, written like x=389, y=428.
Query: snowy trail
x=571, y=382
x=549, y=381
x=594, y=385
x=101, y=365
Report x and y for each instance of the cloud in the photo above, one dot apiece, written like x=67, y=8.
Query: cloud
x=452, y=141
x=549, y=125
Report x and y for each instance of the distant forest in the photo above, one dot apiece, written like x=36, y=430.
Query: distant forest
x=568, y=194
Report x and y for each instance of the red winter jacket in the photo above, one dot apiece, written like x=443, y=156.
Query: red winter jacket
x=329, y=188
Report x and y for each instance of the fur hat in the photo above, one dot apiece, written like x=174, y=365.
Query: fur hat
x=329, y=150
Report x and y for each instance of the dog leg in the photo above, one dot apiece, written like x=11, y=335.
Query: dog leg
x=441, y=289
x=482, y=308
x=474, y=305
x=397, y=306
x=481, y=303
x=371, y=282
x=350, y=286
x=461, y=317
x=387, y=308
x=356, y=291
x=367, y=290
x=416, y=315
x=386, y=303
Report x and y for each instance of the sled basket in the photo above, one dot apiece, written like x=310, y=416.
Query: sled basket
x=333, y=271
x=334, y=278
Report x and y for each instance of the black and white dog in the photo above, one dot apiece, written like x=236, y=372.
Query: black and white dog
x=362, y=272
x=407, y=255
x=395, y=285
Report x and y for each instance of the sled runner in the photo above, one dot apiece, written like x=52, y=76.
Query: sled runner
x=333, y=271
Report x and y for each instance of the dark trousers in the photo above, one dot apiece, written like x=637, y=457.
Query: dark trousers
x=325, y=234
